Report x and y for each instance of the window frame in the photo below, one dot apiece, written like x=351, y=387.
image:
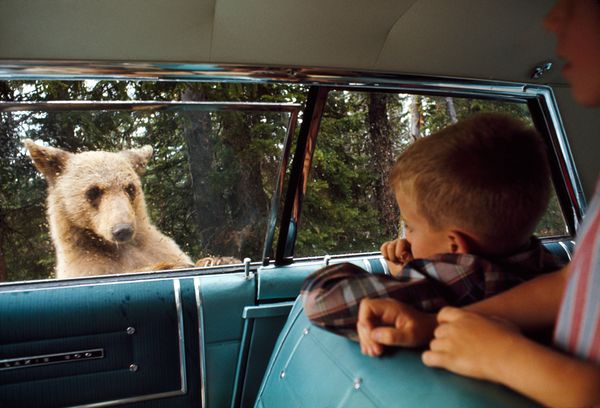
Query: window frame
x=539, y=98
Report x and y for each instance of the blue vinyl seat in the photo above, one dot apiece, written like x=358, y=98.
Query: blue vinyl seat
x=311, y=367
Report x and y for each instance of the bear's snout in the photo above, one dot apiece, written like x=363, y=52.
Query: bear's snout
x=122, y=232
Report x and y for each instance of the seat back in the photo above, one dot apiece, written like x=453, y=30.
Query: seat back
x=311, y=367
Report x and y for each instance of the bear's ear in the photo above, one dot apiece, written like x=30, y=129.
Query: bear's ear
x=50, y=161
x=139, y=158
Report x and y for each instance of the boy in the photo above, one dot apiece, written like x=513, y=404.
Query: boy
x=471, y=195
x=476, y=343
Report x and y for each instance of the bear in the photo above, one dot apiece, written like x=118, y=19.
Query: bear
x=97, y=213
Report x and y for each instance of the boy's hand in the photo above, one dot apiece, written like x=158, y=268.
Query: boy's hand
x=389, y=322
x=397, y=253
x=470, y=344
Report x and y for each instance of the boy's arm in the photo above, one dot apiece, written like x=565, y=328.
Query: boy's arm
x=476, y=346
x=331, y=295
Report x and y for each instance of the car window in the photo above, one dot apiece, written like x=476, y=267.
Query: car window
x=348, y=206
x=208, y=185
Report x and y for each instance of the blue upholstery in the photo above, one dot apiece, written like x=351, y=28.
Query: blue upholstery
x=283, y=282
x=60, y=320
x=314, y=368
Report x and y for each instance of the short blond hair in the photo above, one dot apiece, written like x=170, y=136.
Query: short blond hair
x=487, y=174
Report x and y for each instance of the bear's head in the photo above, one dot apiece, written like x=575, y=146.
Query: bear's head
x=96, y=191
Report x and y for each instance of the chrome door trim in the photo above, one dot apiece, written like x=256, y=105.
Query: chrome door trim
x=24, y=69
x=564, y=246
x=267, y=310
x=177, y=106
x=569, y=173
x=50, y=359
x=201, y=341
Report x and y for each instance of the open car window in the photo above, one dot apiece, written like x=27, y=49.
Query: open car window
x=349, y=207
x=210, y=181
x=216, y=180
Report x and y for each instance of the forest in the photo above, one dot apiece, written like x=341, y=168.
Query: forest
x=211, y=180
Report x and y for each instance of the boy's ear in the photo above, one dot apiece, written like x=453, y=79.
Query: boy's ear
x=50, y=161
x=139, y=158
x=461, y=243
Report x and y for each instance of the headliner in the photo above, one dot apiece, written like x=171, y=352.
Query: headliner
x=481, y=39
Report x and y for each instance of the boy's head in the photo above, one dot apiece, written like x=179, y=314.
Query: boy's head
x=478, y=186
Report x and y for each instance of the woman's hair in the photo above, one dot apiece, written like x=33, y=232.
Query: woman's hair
x=487, y=175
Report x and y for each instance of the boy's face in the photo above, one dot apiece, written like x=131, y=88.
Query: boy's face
x=424, y=240
x=576, y=24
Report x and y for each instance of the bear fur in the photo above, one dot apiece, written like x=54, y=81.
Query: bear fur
x=97, y=213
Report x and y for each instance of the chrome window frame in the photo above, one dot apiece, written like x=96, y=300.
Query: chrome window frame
x=548, y=116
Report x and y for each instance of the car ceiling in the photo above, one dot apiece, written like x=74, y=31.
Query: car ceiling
x=485, y=39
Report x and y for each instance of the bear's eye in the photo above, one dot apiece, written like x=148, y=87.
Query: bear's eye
x=93, y=194
x=130, y=189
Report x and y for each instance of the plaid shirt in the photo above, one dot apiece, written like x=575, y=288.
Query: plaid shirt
x=331, y=295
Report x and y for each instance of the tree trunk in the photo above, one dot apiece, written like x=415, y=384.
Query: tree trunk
x=251, y=203
x=382, y=154
x=3, y=271
x=415, y=116
x=208, y=208
x=451, y=109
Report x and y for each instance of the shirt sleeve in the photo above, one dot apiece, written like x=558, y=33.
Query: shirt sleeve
x=331, y=295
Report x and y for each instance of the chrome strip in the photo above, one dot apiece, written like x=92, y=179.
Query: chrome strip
x=149, y=106
x=101, y=280
x=201, y=341
x=570, y=178
x=147, y=70
x=562, y=244
x=48, y=359
x=182, y=364
x=268, y=310
x=279, y=186
x=64, y=283
x=241, y=365
x=181, y=333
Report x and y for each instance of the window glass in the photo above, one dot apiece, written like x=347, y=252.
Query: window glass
x=348, y=207
x=208, y=184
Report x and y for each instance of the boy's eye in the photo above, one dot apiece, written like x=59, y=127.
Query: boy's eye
x=93, y=194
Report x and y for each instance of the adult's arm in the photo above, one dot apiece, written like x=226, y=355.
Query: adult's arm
x=476, y=346
x=532, y=305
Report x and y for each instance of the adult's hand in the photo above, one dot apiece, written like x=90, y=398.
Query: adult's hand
x=470, y=344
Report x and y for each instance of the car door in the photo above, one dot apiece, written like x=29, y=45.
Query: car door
x=205, y=335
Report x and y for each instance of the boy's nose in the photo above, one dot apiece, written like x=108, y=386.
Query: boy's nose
x=122, y=232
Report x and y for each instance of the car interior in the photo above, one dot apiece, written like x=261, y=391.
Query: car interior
x=271, y=123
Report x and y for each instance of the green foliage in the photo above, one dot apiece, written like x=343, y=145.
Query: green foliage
x=239, y=172
x=341, y=210
x=210, y=181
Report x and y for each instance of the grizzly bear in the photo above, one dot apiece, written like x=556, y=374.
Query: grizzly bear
x=97, y=212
